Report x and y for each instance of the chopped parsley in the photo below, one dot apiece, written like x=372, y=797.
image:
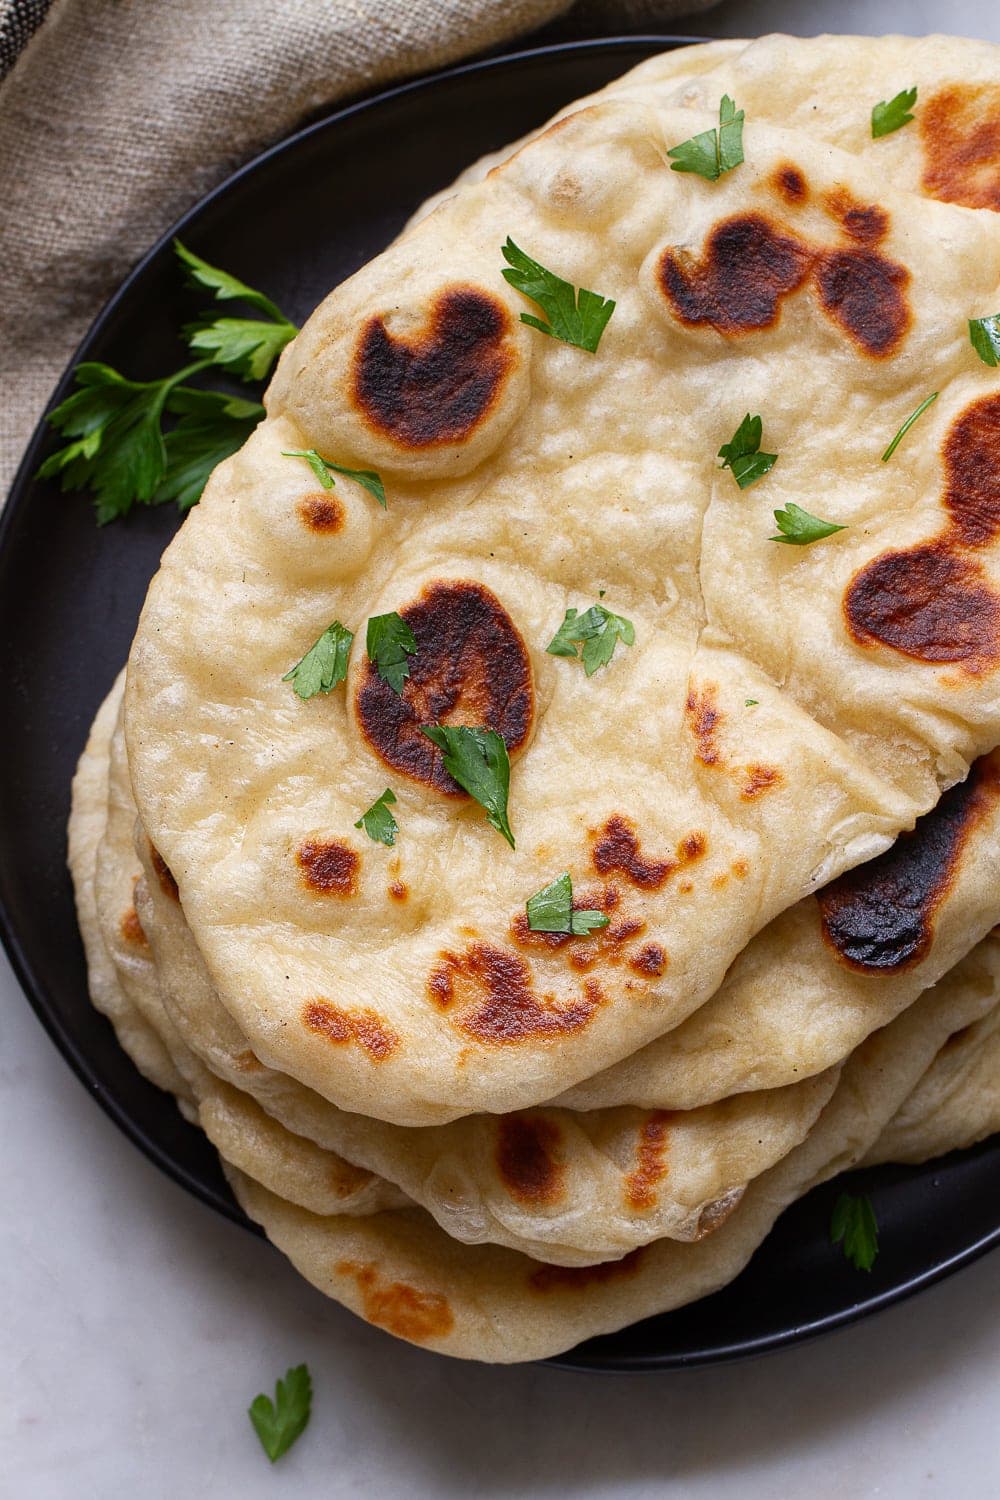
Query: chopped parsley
x=324, y=470
x=984, y=336
x=280, y=1422
x=597, y=631
x=378, y=822
x=742, y=453
x=576, y=317
x=324, y=664
x=892, y=114
x=713, y=151
x=798, y=528
x=750, y=702
x=477, y=759
x=853, y=1224
x=389, y=642
x=929, y=401
x=551, y=910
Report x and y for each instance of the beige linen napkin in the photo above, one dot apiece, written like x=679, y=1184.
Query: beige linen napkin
x=119, y=114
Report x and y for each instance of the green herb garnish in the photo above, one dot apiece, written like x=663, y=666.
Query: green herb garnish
x=389, y=642
x=892, y=114
x=597, y=631
x=799, y=528
x=120, y=449
x=742, y=453
x=477, y=759
x=750, y=702
x=854, y=1224
x=713, y=151
x=907, y=425
x=378, y=822
x=551, y=910
x=984, y=336
x=280, y=1422
x=324, y=664
x=577, y=317
x=324, y=470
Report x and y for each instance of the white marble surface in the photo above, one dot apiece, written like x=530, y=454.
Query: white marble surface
x=135, y=1325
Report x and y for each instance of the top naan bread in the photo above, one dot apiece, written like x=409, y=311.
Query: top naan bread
x=783, y=713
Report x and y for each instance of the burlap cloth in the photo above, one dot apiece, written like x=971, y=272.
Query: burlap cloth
x=118, y=114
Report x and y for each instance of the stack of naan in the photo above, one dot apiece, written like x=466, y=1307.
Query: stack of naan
x=783, y=796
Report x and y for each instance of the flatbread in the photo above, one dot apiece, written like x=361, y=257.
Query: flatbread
x=759, y=738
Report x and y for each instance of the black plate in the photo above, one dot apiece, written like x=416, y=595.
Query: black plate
x=70, y=596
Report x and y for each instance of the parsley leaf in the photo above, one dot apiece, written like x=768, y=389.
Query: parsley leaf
x=984, y=336
x=551, y=910
x=324, y=664
x=799, y=528
x=597, y=630
x=742, y=453
x=389, y=642
x=280, y=1422
x=378, y=822
x=477, y=759
x=246, y=346
x=118, y=450
x=892, y=114
x=907, y=425
x=576, y=317
x=213, y=426
x=853, y=1222
x=750, y=702
x=322, y=468
x=713, y=151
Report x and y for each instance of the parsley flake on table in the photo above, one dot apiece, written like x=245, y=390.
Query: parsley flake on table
x=892, y=114
x=324, y=664
x=389, y=643
x=477, y=759
x=575, y=316
x=713, y=151
x=984, y=336
x=597, y=631
x=798, y=528
x=853, y=1224
x=280, y=1422
x=929, y=401
x=324, y=470
x=742, y=453
x=378, y=822
x=551, y=910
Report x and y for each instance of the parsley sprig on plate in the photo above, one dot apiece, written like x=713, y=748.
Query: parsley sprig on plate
x=854, y=1225
x=120, y=448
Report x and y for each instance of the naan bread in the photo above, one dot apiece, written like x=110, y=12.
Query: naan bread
x=869, y=659
x=399, y=1271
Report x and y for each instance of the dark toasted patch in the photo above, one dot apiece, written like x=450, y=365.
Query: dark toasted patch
x=340, y=1026
x=748, y=266
x=650, y=961
x=880, y=917
x=928, y=603
x=398, y=891
x=330, y=867
x=168, y=884
x=867, y=223
x=789, y=182
x=960, y=134
x=579, y=1278
x=322, y=511
x=704, y=718
x=864, y=292
x=971, y=455
x=651, y=1161
x=493, y=993
x=439, y=387
x=527, y=1158
x=616, y=849
x=403, y=1309
x=131, y=929
x=248, y=1062
x=470, y=667
x=759, y=779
